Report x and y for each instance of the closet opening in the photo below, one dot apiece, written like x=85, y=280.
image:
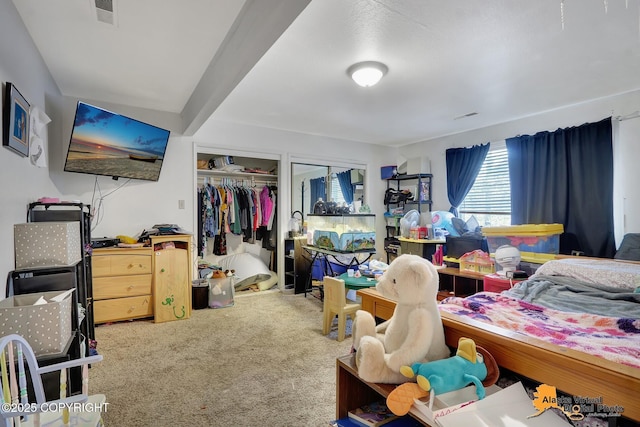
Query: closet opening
x=236, y=218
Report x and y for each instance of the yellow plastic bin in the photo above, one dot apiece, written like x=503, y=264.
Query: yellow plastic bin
x=534, y=238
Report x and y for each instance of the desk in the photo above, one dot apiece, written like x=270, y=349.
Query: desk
x=345, y=259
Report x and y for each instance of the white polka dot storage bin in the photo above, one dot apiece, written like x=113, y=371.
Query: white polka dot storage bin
x=47, y=244
x=46, y=327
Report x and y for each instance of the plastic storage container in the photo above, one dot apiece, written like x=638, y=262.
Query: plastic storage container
x=343, y=233
x=221, y=292
x=535, y=238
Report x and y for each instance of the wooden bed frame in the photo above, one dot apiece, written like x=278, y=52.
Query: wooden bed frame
x=573, y=372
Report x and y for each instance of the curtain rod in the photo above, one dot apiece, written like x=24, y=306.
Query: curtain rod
x=633, y=115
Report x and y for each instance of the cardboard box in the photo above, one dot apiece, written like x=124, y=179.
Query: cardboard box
x=47, y=244
x=418, y=165
x=46, y=327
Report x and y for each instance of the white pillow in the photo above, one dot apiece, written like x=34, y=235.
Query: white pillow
x=245, y=265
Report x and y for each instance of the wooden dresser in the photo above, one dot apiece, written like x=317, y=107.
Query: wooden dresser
x=152, y=281
x=122, y=279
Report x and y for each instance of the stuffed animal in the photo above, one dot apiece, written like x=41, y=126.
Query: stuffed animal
x=414, y=333
x=466, y=367
x=217, y=274
x=470, y=365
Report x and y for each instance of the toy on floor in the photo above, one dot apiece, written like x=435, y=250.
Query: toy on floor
x=414, y=333
x=471, y=365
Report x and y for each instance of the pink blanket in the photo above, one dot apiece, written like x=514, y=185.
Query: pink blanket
x=615, y=339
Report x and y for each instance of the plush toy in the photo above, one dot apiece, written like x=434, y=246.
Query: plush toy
x=217, y=274
x=470, y=365
x=414, y=333
x=466, y=367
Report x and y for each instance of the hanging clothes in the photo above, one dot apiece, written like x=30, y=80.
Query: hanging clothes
x=238, y=209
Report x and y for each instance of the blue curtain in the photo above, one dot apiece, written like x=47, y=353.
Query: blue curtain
x=566, y=177
x=463, y=165
x=344, y=178
x=318, y=189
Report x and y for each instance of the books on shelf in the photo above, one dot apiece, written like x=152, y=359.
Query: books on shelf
x=406, y=421
x=373, y=414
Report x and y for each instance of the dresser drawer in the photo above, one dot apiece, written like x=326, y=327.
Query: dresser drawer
x=120, y=265
x=111, y=310
x=121, y=286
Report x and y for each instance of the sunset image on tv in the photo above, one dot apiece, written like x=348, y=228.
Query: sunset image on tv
x=105, y=143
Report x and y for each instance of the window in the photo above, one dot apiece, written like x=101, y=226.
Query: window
x=489, y=200
x=336, y=190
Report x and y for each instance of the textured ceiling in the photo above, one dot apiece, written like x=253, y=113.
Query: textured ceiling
x=501, y=59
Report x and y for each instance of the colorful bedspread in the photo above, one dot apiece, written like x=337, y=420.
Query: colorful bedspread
x=613, y=338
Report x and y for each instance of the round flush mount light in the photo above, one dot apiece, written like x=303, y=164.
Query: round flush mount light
x=367, y=73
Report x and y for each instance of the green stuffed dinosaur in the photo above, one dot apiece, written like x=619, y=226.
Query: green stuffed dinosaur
x=470, y=365
x=454, y=373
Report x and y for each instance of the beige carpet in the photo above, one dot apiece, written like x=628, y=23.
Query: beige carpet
x=262, y=362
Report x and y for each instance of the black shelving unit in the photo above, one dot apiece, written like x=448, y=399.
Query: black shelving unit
x=63, y=277
x=47, y=212
x=296, y=267
x=422, y=201
x=47, y=279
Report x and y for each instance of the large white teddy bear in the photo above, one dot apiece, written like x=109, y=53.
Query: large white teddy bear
x=413, y=334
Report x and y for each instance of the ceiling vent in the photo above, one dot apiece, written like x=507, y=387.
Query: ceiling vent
x=105, y=11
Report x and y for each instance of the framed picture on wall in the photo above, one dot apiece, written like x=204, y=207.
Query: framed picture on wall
x=15, y=118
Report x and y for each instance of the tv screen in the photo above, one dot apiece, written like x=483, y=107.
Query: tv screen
x=106, y=143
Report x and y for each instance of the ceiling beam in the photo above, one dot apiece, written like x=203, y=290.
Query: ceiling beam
x=258, y=25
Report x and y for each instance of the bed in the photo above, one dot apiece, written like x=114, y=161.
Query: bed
x=575, y=325
x=554, y=354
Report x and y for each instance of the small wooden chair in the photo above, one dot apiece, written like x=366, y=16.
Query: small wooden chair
x=16, y=407
x=335, y=304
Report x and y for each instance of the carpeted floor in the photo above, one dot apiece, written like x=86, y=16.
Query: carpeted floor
x=261, y=362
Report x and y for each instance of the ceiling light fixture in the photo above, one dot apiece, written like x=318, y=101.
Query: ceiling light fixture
x=367, y=73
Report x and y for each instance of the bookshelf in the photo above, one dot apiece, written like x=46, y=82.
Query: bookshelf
x=353, y=392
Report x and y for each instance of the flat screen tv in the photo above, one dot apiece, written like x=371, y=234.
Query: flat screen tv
x=106, y=143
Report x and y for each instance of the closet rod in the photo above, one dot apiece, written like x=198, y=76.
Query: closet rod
x=249, y=182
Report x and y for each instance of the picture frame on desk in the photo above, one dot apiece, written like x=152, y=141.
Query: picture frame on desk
x=15, y=117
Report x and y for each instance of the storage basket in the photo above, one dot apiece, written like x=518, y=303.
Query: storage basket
x=46, y=327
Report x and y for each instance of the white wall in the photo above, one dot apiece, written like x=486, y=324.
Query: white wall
x=137, y=205
x=625, y=149
x=20, y=182
x=627, y=176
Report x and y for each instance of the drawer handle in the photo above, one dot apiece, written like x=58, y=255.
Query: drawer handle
x=133, y=307
x=130, y=287
x=162, y=270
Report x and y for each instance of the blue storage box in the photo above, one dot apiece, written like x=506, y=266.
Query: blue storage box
x=388, y=172
x=536, y=238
